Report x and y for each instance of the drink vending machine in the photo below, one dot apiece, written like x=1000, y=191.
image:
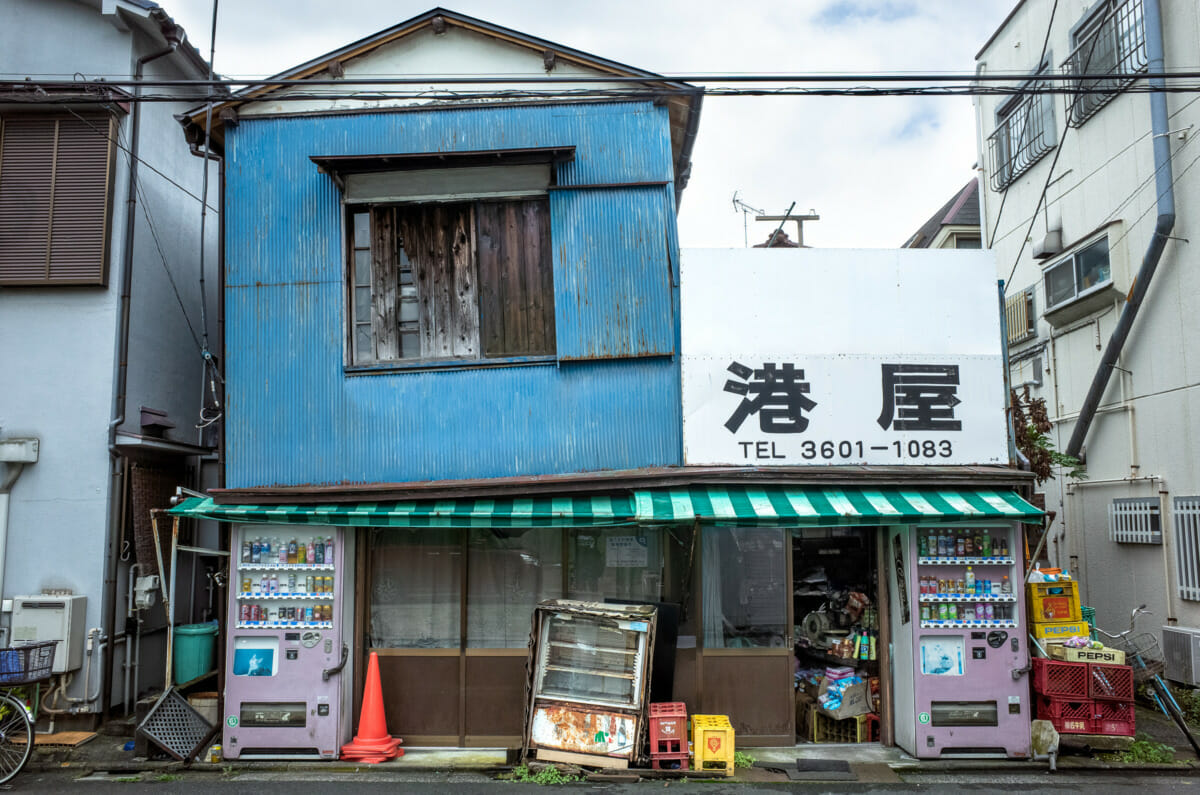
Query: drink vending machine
x=287, y=687
x=960, y=653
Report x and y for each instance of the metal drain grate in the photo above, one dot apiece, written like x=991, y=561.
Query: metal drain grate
x=176, y=727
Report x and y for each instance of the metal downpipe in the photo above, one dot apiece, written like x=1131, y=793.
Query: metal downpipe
x=121, y=375
x=1163, y=184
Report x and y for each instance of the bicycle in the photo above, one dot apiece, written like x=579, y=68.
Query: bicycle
x=29, y=664
x=1143, y=655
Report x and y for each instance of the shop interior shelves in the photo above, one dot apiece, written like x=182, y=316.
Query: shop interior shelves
x=965, y=561
x=285, y=625
x=966, y=597
x=286, y=566
x=822, y=656
x=968, y=624
x=325, y=595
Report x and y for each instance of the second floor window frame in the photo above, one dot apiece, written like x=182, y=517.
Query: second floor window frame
x=1024, y=133
x=1109, y=39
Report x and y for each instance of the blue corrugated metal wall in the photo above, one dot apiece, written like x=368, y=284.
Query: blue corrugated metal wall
x=294, y=416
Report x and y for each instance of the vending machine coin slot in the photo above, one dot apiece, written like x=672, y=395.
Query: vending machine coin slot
x=293, y=654
x=322, y=709
x=979, y=653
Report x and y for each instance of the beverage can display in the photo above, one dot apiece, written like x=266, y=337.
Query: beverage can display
x=247, y=586
x=308, y=614
x=274, y=584
x=246, y=552
x=320, y=552
x=924, y=612
x=329, y=585
x=243, y=612
x=943, y=611
x=291, y=553
x=311, y=554
x=329, y=551
x=310, y=584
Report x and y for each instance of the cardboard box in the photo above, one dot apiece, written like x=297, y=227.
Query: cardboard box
x=1105, y=655
x=856, y=700
x=1058, y=631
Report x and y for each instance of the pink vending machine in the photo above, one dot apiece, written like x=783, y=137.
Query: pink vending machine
x=959, y=646
x=287, y=685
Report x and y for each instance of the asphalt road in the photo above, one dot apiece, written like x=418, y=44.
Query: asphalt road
x=1091, y=782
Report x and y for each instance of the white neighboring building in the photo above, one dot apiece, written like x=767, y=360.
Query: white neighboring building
x=1131, y=530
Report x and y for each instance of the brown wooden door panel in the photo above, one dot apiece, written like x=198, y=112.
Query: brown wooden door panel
x=755, y=691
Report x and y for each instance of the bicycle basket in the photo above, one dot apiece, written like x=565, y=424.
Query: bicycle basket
x=1143, y=654
x=26, y=664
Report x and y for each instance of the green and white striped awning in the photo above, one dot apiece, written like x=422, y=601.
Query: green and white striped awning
x=775, y=505
x=788, y=506
x=606, y=511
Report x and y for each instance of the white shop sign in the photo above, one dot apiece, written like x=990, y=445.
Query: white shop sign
x=820, y=357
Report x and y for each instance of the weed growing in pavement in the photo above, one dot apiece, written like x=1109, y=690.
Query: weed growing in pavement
x=547, y=775
x=167, y=777
x=743, y=759
x=1144, y=751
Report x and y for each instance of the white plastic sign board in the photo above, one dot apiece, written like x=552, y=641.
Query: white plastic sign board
x=840, y=357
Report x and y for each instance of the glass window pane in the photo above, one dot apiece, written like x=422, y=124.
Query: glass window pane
x=416, y=588
x=362, y=230
x=410, y=345
x=745, y=587
x=362, y=267
x=623, y=563
x=510, y=571
x=408, y=311
x=1091, y=265
x=362, y=304
x=363, y=350
x=1060, y=284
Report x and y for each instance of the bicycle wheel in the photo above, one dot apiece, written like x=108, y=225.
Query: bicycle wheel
x=16, y=737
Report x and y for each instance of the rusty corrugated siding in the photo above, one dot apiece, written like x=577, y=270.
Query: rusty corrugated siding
x=295, y=416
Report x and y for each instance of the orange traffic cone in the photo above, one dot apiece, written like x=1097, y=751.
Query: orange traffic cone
x=372, y=744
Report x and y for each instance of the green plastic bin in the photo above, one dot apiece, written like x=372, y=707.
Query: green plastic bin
x=195, y=651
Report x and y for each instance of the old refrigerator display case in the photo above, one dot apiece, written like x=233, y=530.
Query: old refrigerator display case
x=287, y=684
x=960, y=653
x=589, y=682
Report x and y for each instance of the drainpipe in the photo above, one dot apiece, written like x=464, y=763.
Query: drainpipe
x=1162, y=228
x=116, y=486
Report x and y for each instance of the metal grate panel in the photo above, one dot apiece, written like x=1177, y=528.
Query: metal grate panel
x=1112, y=42
x=176, y=727
x=1024, y=134
x=1186, y=520
x=1018, y=311
x=1134, y=521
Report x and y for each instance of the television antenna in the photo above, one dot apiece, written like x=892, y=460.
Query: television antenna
x=745, y=210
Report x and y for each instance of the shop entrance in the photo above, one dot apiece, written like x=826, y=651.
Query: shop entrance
x=837, y=642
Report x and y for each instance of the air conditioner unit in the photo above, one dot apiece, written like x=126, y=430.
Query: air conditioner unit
x=60, y=618
x=1181, y=653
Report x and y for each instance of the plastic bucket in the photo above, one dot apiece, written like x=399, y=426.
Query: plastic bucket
x=195, y=651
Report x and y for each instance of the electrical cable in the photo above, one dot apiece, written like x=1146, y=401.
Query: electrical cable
x=1041, y=59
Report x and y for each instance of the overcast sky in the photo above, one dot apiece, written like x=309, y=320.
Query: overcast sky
x=873, y=168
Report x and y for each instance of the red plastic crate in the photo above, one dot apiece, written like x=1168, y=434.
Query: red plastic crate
x=1110, y=682
x=1114, y=718
x=1060, y=679
x=1068, y=716
x=668, y=730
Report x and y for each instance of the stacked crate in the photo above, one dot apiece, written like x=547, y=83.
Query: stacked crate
x=668, y=736
x=1054, y=611
x=1084, y=698
x=712, y=744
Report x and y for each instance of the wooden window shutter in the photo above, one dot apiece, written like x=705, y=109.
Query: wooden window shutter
x=55, y=186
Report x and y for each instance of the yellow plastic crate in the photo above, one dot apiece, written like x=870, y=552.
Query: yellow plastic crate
x=712, y=744
x=1059, y=631
x=1053, y=601
x=823, y=729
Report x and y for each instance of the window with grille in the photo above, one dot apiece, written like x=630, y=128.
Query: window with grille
x=1134, y=521
x=1024, y=134
x=1110, y=47
x=1186, y=521
x=1020, y=316
x=55, y=188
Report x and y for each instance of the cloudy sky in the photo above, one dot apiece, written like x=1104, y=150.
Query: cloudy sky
x=873, y=168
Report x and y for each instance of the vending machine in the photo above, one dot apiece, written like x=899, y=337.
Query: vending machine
x=287, y=683
x=959, y=646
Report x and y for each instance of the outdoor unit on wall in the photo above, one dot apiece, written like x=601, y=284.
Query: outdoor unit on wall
x=1181, y=653
x=47, y=617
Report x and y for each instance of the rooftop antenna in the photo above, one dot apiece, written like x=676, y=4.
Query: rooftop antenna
x=745, y=210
